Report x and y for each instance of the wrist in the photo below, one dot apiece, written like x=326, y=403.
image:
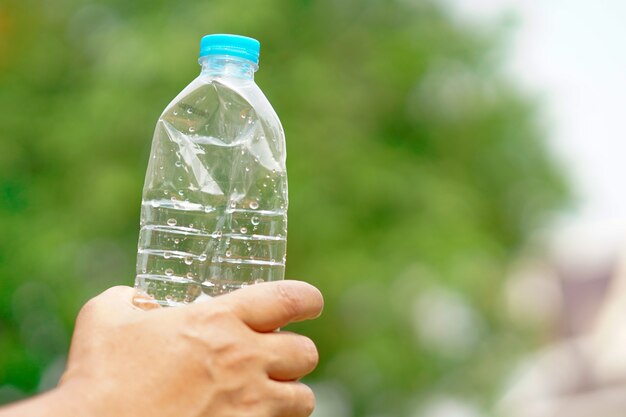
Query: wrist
x=79, y=398
x=58, y=402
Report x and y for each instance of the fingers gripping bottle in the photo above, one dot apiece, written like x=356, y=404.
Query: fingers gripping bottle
x=214, y=208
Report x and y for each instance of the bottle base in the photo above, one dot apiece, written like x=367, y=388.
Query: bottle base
x=158, y=291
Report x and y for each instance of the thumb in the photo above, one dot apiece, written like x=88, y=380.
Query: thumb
x=118, y=298
x=114, y=304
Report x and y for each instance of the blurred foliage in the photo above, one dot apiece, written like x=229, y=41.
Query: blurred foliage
x=416, y=173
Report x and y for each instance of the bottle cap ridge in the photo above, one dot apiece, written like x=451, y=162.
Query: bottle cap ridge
x=233, y=45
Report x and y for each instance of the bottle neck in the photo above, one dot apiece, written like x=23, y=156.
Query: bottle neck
x=227, y=66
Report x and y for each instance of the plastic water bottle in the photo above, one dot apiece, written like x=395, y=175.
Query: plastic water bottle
x=214, y=209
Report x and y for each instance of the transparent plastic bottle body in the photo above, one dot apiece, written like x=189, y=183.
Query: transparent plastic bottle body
x=214, y=209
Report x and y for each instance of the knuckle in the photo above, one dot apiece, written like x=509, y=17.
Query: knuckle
x=222, y=347
x=120, y=289
x=97, y=304
x=251, y=399
x=241, y=397
x=89, y=308
x=306, y=398
x=234, y=356
x=311, y=353
x=212, y=314
x=220, y=312
x=234, y=359
x=290, y=299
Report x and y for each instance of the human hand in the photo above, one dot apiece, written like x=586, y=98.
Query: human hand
x=219, y=358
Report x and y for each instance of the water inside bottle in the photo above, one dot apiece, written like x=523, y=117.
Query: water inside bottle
x=214, y=210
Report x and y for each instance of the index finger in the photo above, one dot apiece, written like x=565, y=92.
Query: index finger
x=270, y=305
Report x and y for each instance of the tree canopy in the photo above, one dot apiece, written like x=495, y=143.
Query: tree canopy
x=416, y=172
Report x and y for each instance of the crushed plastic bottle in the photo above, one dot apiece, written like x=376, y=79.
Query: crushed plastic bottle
x=214, y=209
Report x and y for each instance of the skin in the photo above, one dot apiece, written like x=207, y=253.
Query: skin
x=219, y=358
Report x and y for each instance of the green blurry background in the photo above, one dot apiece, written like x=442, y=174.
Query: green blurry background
x=416, y=172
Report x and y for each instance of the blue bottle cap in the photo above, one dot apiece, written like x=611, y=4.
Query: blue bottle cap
x=233, y=45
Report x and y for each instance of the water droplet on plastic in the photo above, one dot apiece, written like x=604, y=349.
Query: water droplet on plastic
x=169, y=272
x=220, y=259
x=177, y=241
x=254, y=205
x=188, y=260
x=178, y=164
x=143, y=271
x=202, y=257
x=171, y=222
x=249, y=121
x=247, y=169
x=189, y=110
x=238, y=266
x=244, y=230
x=258, y=281
x=165, y=192
x=181, y=193
x=255, y=220
x=174, y=198
x=192, y=129
x=243, y=115
x=175, y=112
x=168, y=297
x=161, y=167
x=191, y=225
x=233, y=204
x=228, y=253
x=190, y=275
x=243, y=152
x=155, y=204
x=207, y=209
x=167, y=255
x=217, y=233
